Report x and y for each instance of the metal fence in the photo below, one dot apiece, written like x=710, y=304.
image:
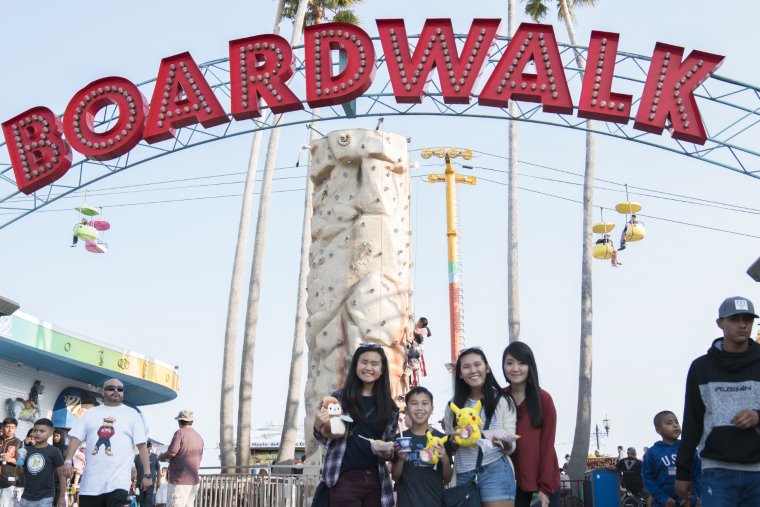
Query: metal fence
x=289, y=487
x=268, y=487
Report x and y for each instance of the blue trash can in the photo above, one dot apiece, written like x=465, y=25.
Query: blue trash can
x=603, y=486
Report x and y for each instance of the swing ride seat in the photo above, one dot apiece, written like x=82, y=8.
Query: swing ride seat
x=86, y=232
x=101, y=225
x=602, y=227
x=628, y=207
x=635, y=232
x=89, y=211
x=603, y=251
x=95, y=246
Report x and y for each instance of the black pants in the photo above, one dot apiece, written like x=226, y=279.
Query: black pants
x=116, y=498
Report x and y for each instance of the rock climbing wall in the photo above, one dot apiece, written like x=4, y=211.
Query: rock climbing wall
x=360, y=278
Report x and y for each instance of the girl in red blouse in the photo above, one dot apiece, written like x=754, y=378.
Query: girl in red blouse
x=536, y=466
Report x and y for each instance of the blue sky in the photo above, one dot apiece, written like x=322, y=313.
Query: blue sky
x=163, y=287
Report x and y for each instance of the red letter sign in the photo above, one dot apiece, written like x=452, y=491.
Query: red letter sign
x=598, y=102
x=260, y=67
x=325, y=88
x=536, y=43
x=436, y=48
x=181, y=97
x=669, y=92
x=38, y=152
x=79, y=118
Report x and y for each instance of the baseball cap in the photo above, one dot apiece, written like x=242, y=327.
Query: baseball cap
x=736, y=305
x=185, y=415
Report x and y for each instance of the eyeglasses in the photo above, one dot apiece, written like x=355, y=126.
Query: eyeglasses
x=114, y=388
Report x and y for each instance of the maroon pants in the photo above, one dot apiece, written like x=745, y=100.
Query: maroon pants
x=357, y=488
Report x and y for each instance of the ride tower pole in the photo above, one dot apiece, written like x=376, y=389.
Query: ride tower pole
x=451, y=178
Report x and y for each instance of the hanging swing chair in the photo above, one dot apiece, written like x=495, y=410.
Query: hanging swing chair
x=634, y=231
x=603, y=251
x=85, y=232
x=96, y=246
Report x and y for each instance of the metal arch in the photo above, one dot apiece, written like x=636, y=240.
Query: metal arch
x=731, y=110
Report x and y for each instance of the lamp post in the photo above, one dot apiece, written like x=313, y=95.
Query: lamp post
x=451, y=178
x=606, y=423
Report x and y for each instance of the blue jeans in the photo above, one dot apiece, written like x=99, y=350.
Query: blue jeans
x=730, y=488
x=495, y=482
x=6, y=496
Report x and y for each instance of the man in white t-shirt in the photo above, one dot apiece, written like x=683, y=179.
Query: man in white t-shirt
x=111, y=431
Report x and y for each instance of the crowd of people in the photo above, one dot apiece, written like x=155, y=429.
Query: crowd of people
x=513, y=461
x=108, y=461
x=496, y=450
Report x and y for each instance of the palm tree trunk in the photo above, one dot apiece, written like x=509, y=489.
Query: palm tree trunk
x=583, y=410
x=254, y=288
x=290, y=421
x=513, y=280
x=227, y=406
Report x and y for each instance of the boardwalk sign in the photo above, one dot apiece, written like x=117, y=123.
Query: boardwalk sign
x=529, y=69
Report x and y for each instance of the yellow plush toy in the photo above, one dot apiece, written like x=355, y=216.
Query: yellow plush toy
x=428, y=454
x=468, y=424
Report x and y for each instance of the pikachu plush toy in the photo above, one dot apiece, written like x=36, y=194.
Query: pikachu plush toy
x=428, y=454
x=468, y=424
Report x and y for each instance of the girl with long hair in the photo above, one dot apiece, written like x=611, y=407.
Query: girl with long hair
x=355, y=474
x=536, y=465
x=475, y=382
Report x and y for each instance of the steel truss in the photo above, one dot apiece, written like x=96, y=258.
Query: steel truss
x=731, y=112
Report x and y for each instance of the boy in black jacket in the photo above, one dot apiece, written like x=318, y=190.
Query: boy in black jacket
x=721, y=414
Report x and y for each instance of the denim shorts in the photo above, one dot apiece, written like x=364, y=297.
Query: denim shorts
x=496, y=481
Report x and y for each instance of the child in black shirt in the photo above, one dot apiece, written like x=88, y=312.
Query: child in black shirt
x=43, y=461
x=420, y=483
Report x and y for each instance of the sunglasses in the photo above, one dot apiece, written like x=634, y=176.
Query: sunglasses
x=370, y=346
x=114, y=388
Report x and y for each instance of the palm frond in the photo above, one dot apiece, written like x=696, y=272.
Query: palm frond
x=346, y=16
x=536, y=9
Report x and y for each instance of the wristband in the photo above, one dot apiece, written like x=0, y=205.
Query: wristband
x=67, y=462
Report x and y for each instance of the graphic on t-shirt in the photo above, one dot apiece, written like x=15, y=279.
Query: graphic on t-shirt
x=105, y=432
x=35, y=463
x=413, y=458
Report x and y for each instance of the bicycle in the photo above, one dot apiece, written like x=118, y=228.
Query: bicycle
x=628, y=499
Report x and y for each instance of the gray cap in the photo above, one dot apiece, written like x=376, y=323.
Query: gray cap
x=736, y=306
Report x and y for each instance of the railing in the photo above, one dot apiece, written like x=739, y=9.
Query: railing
x=263, y=486
x=286, y=486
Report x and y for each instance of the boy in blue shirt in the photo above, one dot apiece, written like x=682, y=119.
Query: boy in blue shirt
x=659, y=468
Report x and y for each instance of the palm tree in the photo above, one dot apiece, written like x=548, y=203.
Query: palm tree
x=513, y=281
x=254, y=288
x=315, y=14
x=227, y=405
x=537, y=9
x=317, y=11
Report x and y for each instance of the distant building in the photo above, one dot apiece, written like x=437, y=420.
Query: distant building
x=49, y=372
